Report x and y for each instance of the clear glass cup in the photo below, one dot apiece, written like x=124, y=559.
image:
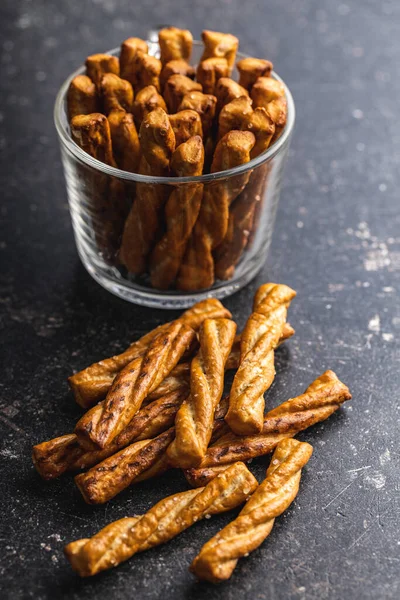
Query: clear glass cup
x=92, y=187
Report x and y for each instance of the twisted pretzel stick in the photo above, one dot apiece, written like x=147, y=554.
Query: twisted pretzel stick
x=116, y=93
x=250, y=69
x=177, y=66
x=197, y=269
x=181, y=213
x=92, y=384
x=256, y=370
x=120, y=540
x=125, y=140
x=99, y=426
x=81, y=97
x=209, y=71
x=97, y=65
x=219, y=45
x=129, y=49
x=194, y=419
x=218, y=558
x=175, y=44
x=146, y=100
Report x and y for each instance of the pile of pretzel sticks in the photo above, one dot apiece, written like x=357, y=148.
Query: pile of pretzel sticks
x=150, y=116
x=160, y=405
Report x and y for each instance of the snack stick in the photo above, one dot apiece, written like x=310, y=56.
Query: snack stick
x=186, y=124
x=144, y=222
x=101, y=424
x=250, y=69
x=194, y=419
x=146, y=100
x=321, y=399
x=177, y=66
x=218, y=558
x=209, y=71
x=197, y=269
x=233, y=115
x=227, y=90
x=81, y=97
x=92, y=133
x=129, y=48
x=116, y=93
x=204, y=105
x=122, y=539
x=277, y=110
x=116, y=473
x=176, y=380
x=144, y=70
x=262, y=126
x=256, y=370
x=181, y=212
x=93, y=383
x=219, y=45
x=175, y=44
x=125, y=140
x=176, y=87
x=265, y=90
x=97, y=65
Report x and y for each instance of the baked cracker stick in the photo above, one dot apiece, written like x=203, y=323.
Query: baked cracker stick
x=277, y=110
x=146, y=100
x=209, y=71
x=181, y=212
x=218, y=558
x=250, y=69
x=320, y=400
x=204, y=105
x=125, y=140
x=101, y=424
x=116, y=93
x=262, y=126
x=265, y=90
x=93, y=383
x=197, y=269
x=186, y=124
x=220, y=45
x=129, y=49
x=234, y=115
x=227, y=90
x=81, y=97
x=256, y=371
x=64, y=453
x=176, y=87
x=175, y=44
x=144, y=70
x=176, y=67
x=92, y=133
x=98, y=65
x=194, y=419
x=122, y=539
x=142, y=227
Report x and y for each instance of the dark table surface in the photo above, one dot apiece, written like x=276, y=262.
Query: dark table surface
x=337, y=242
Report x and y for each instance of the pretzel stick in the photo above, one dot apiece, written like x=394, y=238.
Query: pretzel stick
x=81, y=97
x=197, y=269
x=175, y=44
x=227, y=90
x=233, y=115
x=218, y=558
x=97, y=65
x=256, y=370
x=120, y=540
x=219, y=45
x=181, y=213
x=93, y=383
x=177, y=66
x=125, y=140
x=250, y=69
x=209, y=71
x=186, y=124
x=194, y=419
x=176, y=87
x=277, y=110
x=116, y=93
x=204, y=105
x=265, y=90
x=144, y=70
x=129, y=49
x=146, y=100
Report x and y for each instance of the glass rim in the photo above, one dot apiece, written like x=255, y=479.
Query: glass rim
x=84, y=157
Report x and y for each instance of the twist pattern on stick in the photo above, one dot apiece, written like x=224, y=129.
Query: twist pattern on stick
x=218, y=557
x=120, y=540
x=256, y=371
x=194, y=419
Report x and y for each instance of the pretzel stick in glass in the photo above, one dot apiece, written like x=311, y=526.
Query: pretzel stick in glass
x=175, y=44
x=97, y=65
x=82, y=97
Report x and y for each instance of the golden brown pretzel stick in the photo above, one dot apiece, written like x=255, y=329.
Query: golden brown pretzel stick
x=250, y=69
x=256, y=371
x=92, y=133
x=176, y=87
x=144, y=222
x=125, y=140
x=97, y=65
x=233, y=115
x=81, y=97
x=175, y=44
x=262, y=126
x=217, y=559
x=220, y=45
x=265, y=90
x=146, y=100
x=209, y=71
x=144, y=70
x=116, y=93
x=99, y=426
x=277, y=110
x=120, y=540
x=227, y=90
x=186, y=124
x=129, y=49
x=114, y=474
x=93, y=383
x=64, y=453
x=194, y=419
x=181, y=213
x=197, y=269
x=204, y=105
x=176, y=67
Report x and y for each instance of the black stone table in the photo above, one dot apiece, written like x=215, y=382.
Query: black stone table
x=337, y=242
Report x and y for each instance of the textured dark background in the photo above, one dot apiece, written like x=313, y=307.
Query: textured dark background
x=336, y=242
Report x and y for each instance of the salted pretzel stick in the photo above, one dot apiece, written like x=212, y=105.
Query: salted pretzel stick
x=97, y=65
x=101, y=424
x=250, y=69
x=175, y=44
x=256, y=370
x=181, y=212
x=227, y=90
x=218, y=558
x=185, y=124
x=265, y=90
x=143, y=224
x=194, y=419
x=220, y=45
x=129, y=49
x=92, y=133
x=93, y=383
x=197, y=269
x=233, y=115
x=176, y=87
x=277, y=110
x=125, y=140
x=146, y=100
x=204, y=105
x=116, y=93
x=122, y=539
x=209, y=71
x=81, y=97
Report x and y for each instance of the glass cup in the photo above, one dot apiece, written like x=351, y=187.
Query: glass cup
x=100, y=198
